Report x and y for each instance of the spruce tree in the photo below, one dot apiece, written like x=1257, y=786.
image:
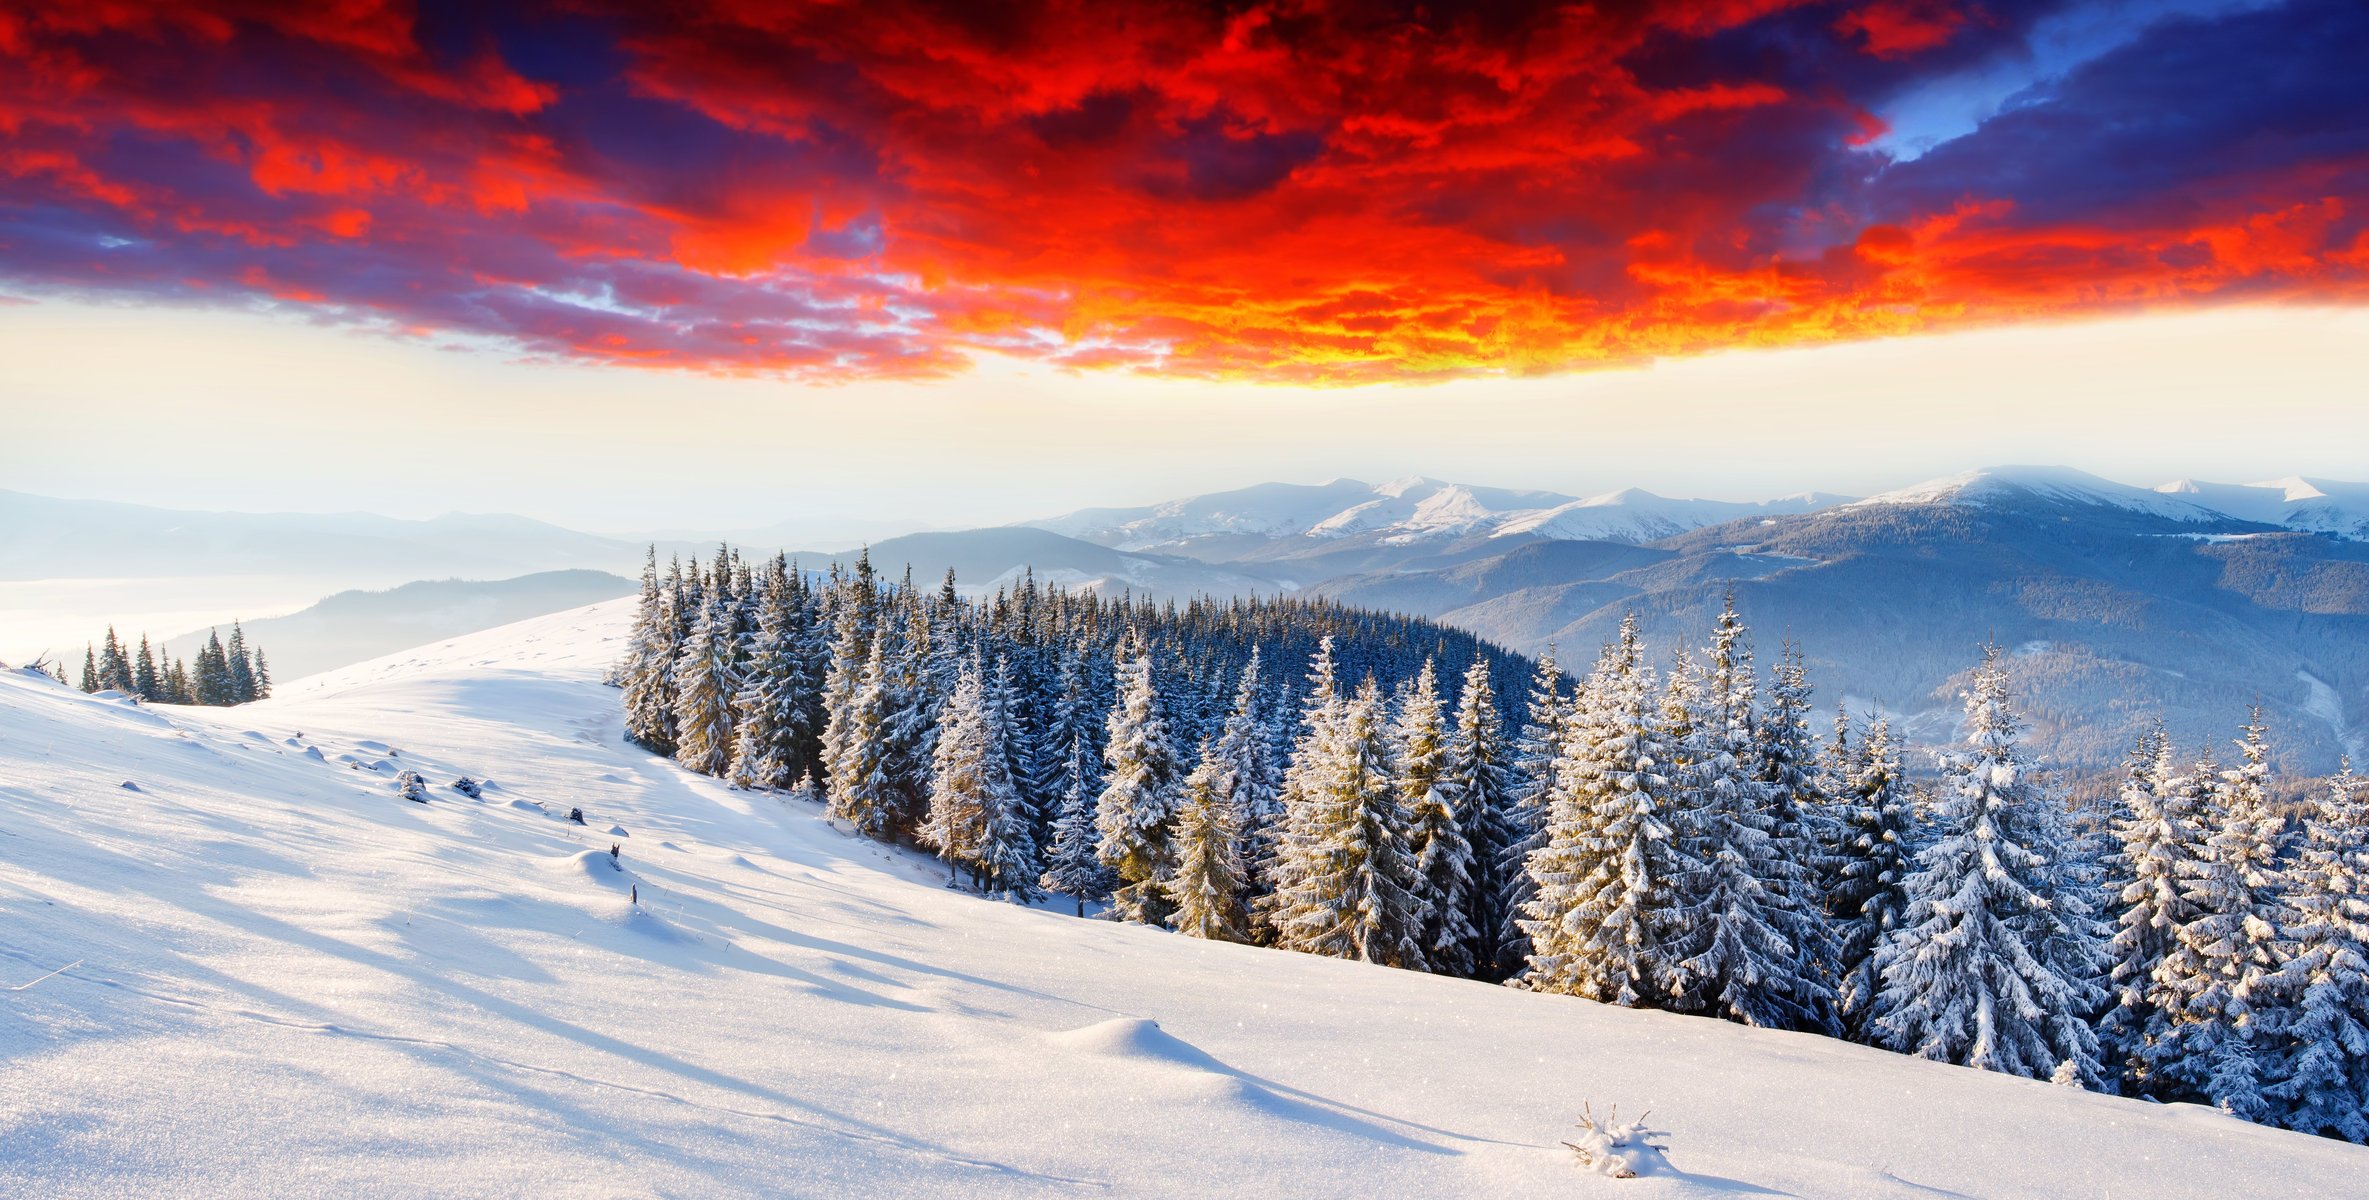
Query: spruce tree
x=970, y=778
x=1973, y=976
x=1205, y=893
x=90, y=669
x=2157, y=842
x=1724, y=911
x=1477, y=783
x=1800, y=821
x=1247, y=781
x=1351, y=890
x=1602, y=881
x=1870, y=901
x=239, y=667
x=2321, y=1069
x=767, y=708
x=857, y=790
x=262, y=676
x=1537, y=748
x=145, y=681
x=647, y=670
x=1138, y=803
x=1074, y=867
x=703, y=693
x=2225, y=959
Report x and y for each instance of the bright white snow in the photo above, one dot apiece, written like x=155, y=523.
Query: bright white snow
x=292, y=982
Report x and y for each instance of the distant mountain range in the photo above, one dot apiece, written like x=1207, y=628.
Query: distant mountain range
x=354, y=626
x=2192, y=599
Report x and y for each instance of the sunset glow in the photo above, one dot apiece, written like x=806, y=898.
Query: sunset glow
x=1292, y=193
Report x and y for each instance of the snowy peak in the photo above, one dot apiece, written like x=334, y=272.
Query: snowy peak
x=2058, y=485
x=2309, y=505
x=1410, y=510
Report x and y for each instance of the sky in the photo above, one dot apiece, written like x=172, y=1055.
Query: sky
x=946, y=263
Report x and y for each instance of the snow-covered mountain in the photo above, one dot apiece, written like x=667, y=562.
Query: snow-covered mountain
x=2052, y=485
x=279, y=978
x=2312, y=505
x=1405, y=512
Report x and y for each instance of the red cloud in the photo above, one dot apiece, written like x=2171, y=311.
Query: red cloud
x=1295, y=191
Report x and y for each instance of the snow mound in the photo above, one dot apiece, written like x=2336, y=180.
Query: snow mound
x=1139, y=1038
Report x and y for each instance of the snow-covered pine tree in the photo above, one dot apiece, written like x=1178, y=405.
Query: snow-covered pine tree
x=1799, y=823
x=968, y=778
x=1351, y=889
x=1009, y=855
x=1137, y=808
x=2321, y=1070
x=1971, y=976
x=857, y=790
x=90, y=668
x=145, y=682
x=1074, y=867
x=1602, y=880
x=262, y=676
x=767, y=706
x=1722, y=913
x=647, y=669
x=1870, y=900
x=1478, y=785
x=115, y=669
x=853, y=601
x=1303, y=821
x=2157, y=841
x=1443, y=863
x=703, y=693
x=1247, y=780
x=1536, y=750
x=1205, y=892
x=2221, y=969
x=240, y=667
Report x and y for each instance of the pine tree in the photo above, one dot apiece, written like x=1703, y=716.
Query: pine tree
x=262, y=676
x=2221, y=966
x=1974, y=976
x=2321, y=1068
x=1138, y=803
x=115, y=669
x=847, y=750
x=1537, y=749
x=1477, y=784
x=145, y=681
x=1320, y=718
x=1074, y=868
x=1799, y=820
x=1351, y=890
x=857, y=790
x=90, y=669
x=1247, y=781
x=1206, y=891
x=647, y=670
x=2157, y=841
x=238, y=667
x=970, y=780
x=1870, y=901
x=703, y=693
x=1724, y=912
x=1602, y=880
x=766, y=709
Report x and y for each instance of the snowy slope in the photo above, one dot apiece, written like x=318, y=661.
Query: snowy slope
x=1636, y=515
x=291, y=982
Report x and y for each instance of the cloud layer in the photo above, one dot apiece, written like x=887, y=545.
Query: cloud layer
x=1303, y=192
